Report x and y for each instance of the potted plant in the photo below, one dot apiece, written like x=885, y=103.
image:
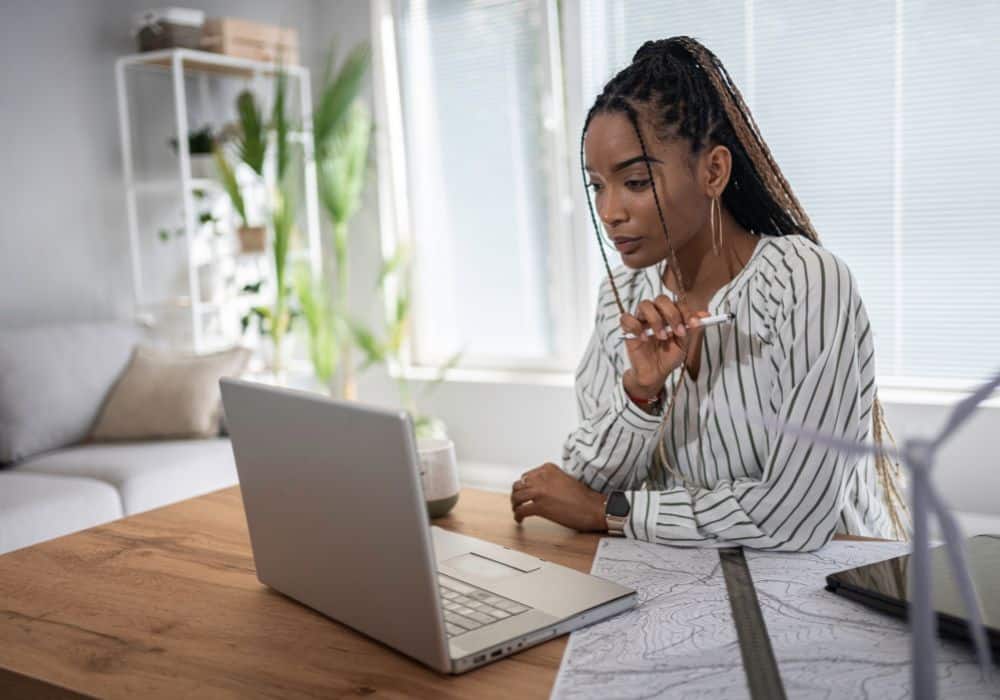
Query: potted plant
x=252, y=142
x=201, y=144
x=342, y=129
x=253, y=239
x=251, y=149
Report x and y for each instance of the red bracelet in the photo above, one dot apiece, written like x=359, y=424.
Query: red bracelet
x=645, y=402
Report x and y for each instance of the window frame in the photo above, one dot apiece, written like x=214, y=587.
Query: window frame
x=394, y=211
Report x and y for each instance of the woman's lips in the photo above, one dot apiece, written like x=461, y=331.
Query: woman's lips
x=627, y=245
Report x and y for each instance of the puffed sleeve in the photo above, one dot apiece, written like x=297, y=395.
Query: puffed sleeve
x=820, y=349
x=611, y=447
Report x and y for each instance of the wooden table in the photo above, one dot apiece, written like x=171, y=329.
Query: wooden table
x=167, y=604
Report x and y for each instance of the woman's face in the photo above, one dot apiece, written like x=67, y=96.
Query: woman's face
x=624, y=198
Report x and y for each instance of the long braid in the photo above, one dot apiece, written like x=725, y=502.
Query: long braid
x=593, y=217
x=748, y=132
x=634, y=119
x=665, y=77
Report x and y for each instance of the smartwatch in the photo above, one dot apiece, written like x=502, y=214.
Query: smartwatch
x=616, y=512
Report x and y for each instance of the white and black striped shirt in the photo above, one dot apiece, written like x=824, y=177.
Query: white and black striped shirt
x=799, y=350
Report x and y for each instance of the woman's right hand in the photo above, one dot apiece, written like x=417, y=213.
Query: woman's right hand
x=654, y=358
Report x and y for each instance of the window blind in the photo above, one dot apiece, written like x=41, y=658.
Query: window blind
x=881, y=116
x=472, y=78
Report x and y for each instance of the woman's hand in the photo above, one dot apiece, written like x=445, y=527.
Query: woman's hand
x=654, y=358
x=550, y=492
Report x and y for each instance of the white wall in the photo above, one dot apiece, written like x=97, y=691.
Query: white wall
x=63, y=239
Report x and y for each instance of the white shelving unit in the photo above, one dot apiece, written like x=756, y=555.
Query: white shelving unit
x=202, y=250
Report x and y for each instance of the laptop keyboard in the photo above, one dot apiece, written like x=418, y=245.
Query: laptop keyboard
x=467, y=608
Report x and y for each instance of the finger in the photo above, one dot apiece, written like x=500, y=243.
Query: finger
x=526, y=510
x=532, y=474
x=522, y=496
x=694, y=321
x=630, y=324
x=671, y=313
x=648, y=313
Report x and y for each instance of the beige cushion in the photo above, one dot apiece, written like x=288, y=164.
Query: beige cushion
x=165, y=394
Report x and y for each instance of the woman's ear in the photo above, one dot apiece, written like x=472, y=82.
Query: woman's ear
x=717, y=166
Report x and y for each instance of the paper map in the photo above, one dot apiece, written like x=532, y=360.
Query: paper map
x=680, y=639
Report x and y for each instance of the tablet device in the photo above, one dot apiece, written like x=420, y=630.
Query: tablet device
x=885, y=586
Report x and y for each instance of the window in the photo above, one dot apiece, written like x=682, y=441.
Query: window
x=882, y=117
x=479, y=138
x=880, y=114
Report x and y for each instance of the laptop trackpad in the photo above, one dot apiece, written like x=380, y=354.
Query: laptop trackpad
x=481, y=567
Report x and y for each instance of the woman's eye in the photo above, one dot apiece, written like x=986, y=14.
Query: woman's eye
x=637, y=184
x=595, y=186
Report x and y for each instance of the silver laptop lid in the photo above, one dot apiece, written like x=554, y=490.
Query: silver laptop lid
x=336, y=514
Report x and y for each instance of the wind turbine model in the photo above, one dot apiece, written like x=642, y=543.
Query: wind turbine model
x=918, y=454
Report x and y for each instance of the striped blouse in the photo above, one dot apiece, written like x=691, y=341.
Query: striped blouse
x=799, y=350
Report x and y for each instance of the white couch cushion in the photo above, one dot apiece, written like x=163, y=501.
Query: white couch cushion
x=37, y=507
x=53, y=380
x=146, y=474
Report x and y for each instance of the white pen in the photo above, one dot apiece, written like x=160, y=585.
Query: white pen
x=702, y=323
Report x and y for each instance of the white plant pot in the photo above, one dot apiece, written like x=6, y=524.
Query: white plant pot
x=202, y=166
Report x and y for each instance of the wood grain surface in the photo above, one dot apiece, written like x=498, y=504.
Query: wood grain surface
x=166, y=604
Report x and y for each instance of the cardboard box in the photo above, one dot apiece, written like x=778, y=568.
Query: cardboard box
x=242, y=38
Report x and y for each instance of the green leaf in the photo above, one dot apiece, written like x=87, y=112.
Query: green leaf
x=229, y=183
x=323, y=351
x=342, y=165
x=252, y=142
x=279, y=122
x=339, y=93
x=283, y=221
x=402, y=309
x=389, y=267
x=365, y=340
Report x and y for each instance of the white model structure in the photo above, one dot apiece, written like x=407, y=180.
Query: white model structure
x=917, y=455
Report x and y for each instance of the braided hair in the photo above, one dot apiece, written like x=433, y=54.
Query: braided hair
x=683, y=92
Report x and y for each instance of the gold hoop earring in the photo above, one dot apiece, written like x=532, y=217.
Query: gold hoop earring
x=715, y=212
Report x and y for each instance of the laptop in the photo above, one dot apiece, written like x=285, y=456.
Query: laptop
x=885, y=586
x=337, y=521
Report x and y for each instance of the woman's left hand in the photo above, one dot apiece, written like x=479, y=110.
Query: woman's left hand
x=551, y=493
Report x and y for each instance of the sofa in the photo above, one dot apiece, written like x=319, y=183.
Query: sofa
x=54, y=480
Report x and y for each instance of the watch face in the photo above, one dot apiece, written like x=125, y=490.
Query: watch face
x=618, y=505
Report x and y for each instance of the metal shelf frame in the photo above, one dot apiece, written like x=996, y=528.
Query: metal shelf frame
x=180, y=63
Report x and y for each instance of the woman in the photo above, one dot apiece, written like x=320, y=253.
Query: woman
x=674, y=437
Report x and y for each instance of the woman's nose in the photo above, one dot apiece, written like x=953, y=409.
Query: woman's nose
x=611, y=211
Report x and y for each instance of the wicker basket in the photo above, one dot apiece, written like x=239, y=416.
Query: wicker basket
x=168, y=28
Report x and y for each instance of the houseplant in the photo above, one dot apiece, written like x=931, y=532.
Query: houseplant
x=342, y=130
x=255, y=139
x=201, y=144
x=341, y=133
x=250, y=146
